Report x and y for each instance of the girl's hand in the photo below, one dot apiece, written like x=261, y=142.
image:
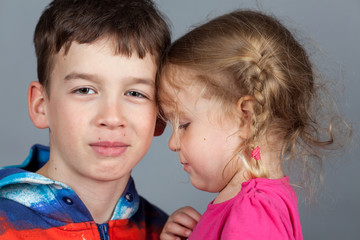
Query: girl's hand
x=180, y=224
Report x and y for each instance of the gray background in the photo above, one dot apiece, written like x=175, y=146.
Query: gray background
x=333, y=25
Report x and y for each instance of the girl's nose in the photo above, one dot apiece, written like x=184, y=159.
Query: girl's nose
x=174, y=143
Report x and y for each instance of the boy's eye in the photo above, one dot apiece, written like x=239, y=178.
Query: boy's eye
x=184, y=126
x=135, y=94
x=84, y=91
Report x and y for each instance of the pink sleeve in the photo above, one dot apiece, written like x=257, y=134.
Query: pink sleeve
x=259, y=216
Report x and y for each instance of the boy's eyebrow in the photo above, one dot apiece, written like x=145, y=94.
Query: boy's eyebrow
x=85, y=76
x=146, y=81
x=94, y=77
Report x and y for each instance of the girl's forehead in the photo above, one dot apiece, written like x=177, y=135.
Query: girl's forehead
x=177, y=76
x=179, y=90
x=177, y=104
x=180, y=104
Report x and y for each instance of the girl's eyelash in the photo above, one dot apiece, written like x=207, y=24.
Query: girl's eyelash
x=184, y=126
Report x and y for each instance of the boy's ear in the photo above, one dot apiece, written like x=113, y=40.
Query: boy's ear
x=159, y=127
x=245, y=107
x=36, y=105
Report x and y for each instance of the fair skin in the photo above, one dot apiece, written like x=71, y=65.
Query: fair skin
x=205, y=147
x=101, y=114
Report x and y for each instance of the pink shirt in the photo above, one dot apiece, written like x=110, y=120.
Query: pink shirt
x=263, y=209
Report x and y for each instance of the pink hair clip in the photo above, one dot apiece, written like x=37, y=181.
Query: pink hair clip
x=255, y=154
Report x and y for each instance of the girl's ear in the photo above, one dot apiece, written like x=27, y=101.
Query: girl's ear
x=37, y=105
x=245, y=107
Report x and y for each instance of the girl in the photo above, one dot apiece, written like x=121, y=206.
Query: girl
x=241, y=95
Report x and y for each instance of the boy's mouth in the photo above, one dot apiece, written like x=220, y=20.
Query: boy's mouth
x=109, y=149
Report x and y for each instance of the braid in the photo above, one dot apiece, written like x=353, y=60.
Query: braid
x=254, y=73
x=247, y=53
x=261, y=115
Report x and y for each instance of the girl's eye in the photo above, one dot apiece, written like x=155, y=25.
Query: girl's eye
x=184, y=126
x=135, y=94
x=84, y=91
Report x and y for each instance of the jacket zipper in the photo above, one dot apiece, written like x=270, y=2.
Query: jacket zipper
x=103, y=231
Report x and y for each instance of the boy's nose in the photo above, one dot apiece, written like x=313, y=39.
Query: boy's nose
x=174, y=144
x=111, y=115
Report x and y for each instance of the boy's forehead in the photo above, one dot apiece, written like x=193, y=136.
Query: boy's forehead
x=94, y=60
x=104, y=42
x=77, y=53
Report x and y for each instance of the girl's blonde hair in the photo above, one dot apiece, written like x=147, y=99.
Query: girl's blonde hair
x=250, y=53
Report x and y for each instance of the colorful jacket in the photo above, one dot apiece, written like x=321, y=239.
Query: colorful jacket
x=35, y=207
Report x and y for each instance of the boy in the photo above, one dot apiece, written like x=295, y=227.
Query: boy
x=97, y=64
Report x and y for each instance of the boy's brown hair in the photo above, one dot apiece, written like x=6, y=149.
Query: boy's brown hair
x=135, y=25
